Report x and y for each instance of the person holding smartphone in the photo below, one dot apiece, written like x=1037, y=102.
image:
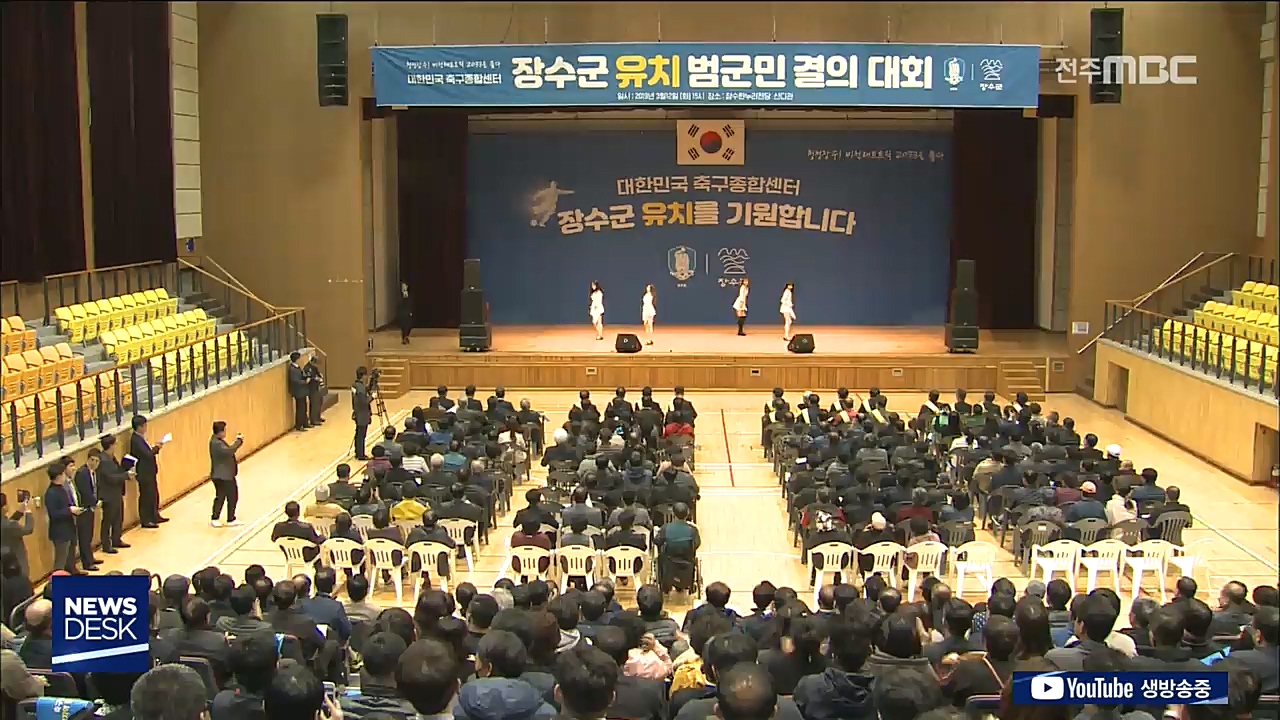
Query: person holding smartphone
x=112, y=479
x=223, y=468
x=63, y=507
x=15, y=526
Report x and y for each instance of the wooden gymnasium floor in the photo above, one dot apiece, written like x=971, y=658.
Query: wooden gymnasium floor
x=762, y=339
x=741, y=514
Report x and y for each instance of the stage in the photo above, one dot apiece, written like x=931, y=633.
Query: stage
x=714, y=357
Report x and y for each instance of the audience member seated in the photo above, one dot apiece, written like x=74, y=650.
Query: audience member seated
x=626, y=534
x=293, y=527
x=341, y=491
x=1088, y=506
x=252, y=661
x=244, y=621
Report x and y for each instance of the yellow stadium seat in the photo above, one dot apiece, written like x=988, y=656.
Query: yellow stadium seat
x=26, y=422
x=61, y=370
x=12, y=379
x=48, y=375
x=90, y=310
x=74, y=362
x=25, y=337
x=113, y=347
x=123, y=314
x=145, y=337
x=67, y=324
x=89, y=329
x=145, y=310
x=164, y=343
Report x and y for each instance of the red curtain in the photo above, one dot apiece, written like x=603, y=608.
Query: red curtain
x=41, y=207
x=995, y=167
x=431, y=156
x=132, y=132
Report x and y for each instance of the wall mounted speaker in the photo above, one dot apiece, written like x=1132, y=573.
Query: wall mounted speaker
x=331, y=59
x=1106, y=39
x=627, y=343
x=801, y=343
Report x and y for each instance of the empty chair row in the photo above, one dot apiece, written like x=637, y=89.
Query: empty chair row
x=79, y=402
x=202, y=358
x=1210, y=348
x=30, y=371
x=155, y=337
x=1256, y=296
x=85, y=321
x=1253, y=324
x=15, y=336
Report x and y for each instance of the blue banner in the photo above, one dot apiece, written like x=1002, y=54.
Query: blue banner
x=708, y=74
x=1120, y=688
x=100, y=624
x=860, y=221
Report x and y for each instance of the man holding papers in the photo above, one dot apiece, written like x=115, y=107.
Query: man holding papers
x=147, y=470
x=223, y=467
x=111, y=482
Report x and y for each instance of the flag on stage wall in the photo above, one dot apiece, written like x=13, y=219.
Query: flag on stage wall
x=711, y=142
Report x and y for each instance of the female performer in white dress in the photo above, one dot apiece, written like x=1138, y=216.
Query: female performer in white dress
x=787, y=308
x=597, y=309
x=740, y=305
x=647, y=313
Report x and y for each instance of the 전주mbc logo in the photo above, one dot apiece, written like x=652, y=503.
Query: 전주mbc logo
x=100, y=624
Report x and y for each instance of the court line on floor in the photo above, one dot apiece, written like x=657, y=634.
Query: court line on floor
x=1268, y=564
x=263, y=520
x=728, y=451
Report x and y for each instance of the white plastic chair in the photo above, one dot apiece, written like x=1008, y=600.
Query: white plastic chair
x=293, y=549
x=457, y=529
x=837, y=558
x=1149, y=555
x=1102, y=556
x=1059, y=556
x=1187, y=558
x=530, y=559
x=976, y=558
x=380, y=554
x=428, y=556
x=363, y=524
x=624, y=559
x=323, y=525
x=886, y=560
x=338, y=554
x=929, y=558
x=576, y=561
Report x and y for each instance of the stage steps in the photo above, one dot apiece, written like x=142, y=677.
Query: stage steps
x=1025, y=376
x=394, y=381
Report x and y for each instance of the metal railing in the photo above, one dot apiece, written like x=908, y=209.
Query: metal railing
x=1237, y=359
x=98, y=283
x=10, y=298
x=1216, y=271
x=53, y=418
x=244, y=305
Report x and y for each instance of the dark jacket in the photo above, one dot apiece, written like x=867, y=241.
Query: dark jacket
x=222, y=458
x=234, y=704
x=297, y=382
x=835, y=695
x=111, y=479
x=86, y=486
x=500, y=699
x=638, y=698
x=148, y=466
x=62, y=524
x=13, y=530
x=371, y=698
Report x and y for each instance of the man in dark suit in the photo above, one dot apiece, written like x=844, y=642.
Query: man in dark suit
x=342, y=491
x=626, y=535
x=361, y=412
x=291, y=526
x=197, y=638
x=289, y=619
x=442, y=400
x=223, y=467
x=86, y=482
x=457, y=506
x=61, y=505
x=1264, y=658
x=147, y=471
x=111, y=484
x=298, y=391
x=315, y=391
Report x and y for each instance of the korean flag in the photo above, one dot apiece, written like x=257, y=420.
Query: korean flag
x=710, y=142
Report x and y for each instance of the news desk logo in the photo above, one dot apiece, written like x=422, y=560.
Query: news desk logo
x=1120, y=688
x=1128, y=70
x=100, y=624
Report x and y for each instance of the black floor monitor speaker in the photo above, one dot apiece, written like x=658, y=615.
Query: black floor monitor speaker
x=473, y=307
x=471, y=274
x=627, y=343
x=474, y=337
x=961, y=338
x=801, y=343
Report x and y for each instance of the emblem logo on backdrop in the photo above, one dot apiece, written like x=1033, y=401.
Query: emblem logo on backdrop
x=954, y=74
x=544, y=203
x=733, y=262
x=682, y=263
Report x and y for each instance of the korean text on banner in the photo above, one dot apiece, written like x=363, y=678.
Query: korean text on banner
x=692, y=74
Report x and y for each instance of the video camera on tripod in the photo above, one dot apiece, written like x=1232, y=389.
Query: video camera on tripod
x=374, y=375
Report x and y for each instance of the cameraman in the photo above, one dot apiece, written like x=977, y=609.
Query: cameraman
x=361, y=410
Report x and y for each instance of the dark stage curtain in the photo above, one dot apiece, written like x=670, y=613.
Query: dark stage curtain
x=41, y=207
x=995, y=161
x=431, y=162
x=132, y=132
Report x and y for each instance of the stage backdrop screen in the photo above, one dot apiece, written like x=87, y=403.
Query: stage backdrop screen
x=858, y=220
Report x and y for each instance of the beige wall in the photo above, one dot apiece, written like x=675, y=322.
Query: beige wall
x=1222, y=430
x=1170, y=172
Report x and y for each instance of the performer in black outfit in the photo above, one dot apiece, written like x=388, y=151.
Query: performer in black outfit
x=404, y=314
